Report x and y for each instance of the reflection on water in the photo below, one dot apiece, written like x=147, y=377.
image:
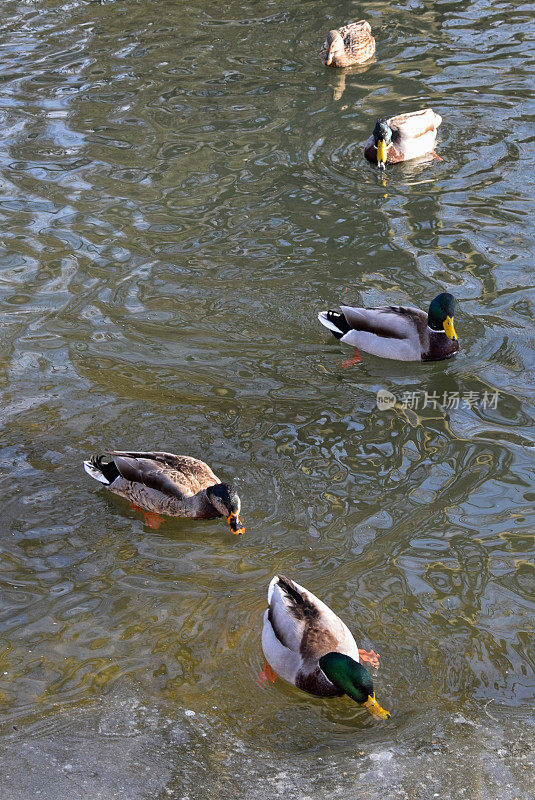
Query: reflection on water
x=181, y=191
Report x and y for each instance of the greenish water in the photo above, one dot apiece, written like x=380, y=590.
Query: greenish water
x=182, y=189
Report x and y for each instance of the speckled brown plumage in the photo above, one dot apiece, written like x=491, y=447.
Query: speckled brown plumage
x=177, y=476
x=355, y=46
x=164, y=483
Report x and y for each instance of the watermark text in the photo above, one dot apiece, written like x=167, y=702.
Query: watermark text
x=421, y=399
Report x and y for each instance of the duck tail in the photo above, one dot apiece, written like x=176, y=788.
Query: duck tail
x=103, y=471
x=285, y=584
x=335, y=322
x=290, y=588
x=299, y=603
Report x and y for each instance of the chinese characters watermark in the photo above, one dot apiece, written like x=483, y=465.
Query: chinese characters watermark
x=421, y=399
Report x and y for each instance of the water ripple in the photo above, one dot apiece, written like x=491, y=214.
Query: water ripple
x=180, y=193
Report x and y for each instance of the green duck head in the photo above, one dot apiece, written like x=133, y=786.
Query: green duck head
x=382, y=137
x=352, y=679
x=440, y=314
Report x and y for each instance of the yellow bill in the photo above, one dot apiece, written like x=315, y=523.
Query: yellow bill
x=374, y=708
x=449, y=329
x=381, y=151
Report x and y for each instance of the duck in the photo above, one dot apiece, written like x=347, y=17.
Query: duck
x=403, y=137
x=401, y=333
x=166, y=484
x=351, y=44
x=308, y=645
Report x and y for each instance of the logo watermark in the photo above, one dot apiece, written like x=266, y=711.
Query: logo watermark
x=421, y=399
x=385, y=399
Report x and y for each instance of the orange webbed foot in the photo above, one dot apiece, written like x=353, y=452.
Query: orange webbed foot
x=371, y=657
x=151, y=519
x=436, y=156
x=350, y=362
x=266, y=676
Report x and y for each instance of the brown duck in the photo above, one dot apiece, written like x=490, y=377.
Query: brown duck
x=351, y=44
x=163, y=483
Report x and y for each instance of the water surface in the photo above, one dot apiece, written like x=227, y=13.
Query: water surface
x=182, y=189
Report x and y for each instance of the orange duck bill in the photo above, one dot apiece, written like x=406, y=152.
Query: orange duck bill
x=235, y=524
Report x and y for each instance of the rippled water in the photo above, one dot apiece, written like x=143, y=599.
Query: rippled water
x=182, y=189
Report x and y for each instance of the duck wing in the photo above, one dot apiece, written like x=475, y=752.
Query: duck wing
x=389, y=322
x=418, y=125
x=395, y=332
x=358, y=39
x=303, y=623
x=178, y=476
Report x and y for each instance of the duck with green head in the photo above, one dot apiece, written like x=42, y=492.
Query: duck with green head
x=403, y=137
x=306, y=644
x=402, y=333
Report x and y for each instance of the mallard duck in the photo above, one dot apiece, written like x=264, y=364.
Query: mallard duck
x=306, y=644
x=398, y=332
x=403, y=137
x=351, y=44
x=162, y=483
